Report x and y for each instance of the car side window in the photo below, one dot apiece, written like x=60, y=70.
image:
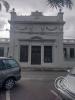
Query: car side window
x=2, y=65
x=10, y=63
x=7, y=64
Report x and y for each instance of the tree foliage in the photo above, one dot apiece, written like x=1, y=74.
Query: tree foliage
x=6, y=5
x=60, y=3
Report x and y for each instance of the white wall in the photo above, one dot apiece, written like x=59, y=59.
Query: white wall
x=33, y=30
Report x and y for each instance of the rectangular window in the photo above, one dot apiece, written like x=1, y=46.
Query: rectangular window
x=65, y=52
x=1, y=51
x=48, y=54
x=10, y=63
x=71, y=52
x=23, y=53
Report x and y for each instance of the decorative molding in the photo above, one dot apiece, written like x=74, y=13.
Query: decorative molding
x=42, y=28
x=49, y=28
x=36, y=38
x=44, y=41
x=36, y=28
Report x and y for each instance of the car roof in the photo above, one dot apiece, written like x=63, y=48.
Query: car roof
x=5, y=58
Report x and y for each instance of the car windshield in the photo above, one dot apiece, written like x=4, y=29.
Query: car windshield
x=69, y=82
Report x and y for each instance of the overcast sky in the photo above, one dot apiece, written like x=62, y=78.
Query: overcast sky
x=25, y=7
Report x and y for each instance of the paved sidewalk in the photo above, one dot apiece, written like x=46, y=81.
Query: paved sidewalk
x=44, y=69
x=41, y=75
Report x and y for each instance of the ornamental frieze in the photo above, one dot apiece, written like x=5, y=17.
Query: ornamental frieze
x=36, y=28
x=51, y=28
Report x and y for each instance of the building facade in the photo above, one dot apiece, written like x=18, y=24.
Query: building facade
x=4, y=47
x=37, y=41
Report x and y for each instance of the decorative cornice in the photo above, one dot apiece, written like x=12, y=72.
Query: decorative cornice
x=43, y=40
x=36, y=22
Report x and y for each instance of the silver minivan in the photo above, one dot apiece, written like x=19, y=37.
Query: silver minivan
x=10, y=72
x=66, y=85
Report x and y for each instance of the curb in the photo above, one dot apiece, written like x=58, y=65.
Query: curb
x=45, y=69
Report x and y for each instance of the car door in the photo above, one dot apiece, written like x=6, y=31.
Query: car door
x=2, y=71
x=12, y=68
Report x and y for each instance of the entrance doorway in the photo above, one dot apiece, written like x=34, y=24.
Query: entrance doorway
x=36, y=55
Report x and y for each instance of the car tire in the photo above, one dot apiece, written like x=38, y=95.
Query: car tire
x=9, y=84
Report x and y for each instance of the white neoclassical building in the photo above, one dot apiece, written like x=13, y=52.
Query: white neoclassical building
x=37, y=41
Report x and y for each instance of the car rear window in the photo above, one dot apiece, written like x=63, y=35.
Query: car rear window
x=10, y=63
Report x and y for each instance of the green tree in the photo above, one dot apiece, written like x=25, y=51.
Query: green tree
x=60, y=3
x=6, y=5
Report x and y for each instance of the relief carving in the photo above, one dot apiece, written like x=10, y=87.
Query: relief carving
x=36, y=28
x=42, y=28
x=51, y=28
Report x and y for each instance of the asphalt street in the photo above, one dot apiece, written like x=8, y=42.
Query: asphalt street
x=34, y=85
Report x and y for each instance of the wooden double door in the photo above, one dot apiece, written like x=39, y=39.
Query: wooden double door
x=36, y=55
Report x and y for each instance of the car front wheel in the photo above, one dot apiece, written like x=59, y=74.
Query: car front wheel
x=9, y=83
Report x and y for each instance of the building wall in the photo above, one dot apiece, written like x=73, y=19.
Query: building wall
x=37, y=30
x=68, y=62
x=4, y=47
x=69, y=57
